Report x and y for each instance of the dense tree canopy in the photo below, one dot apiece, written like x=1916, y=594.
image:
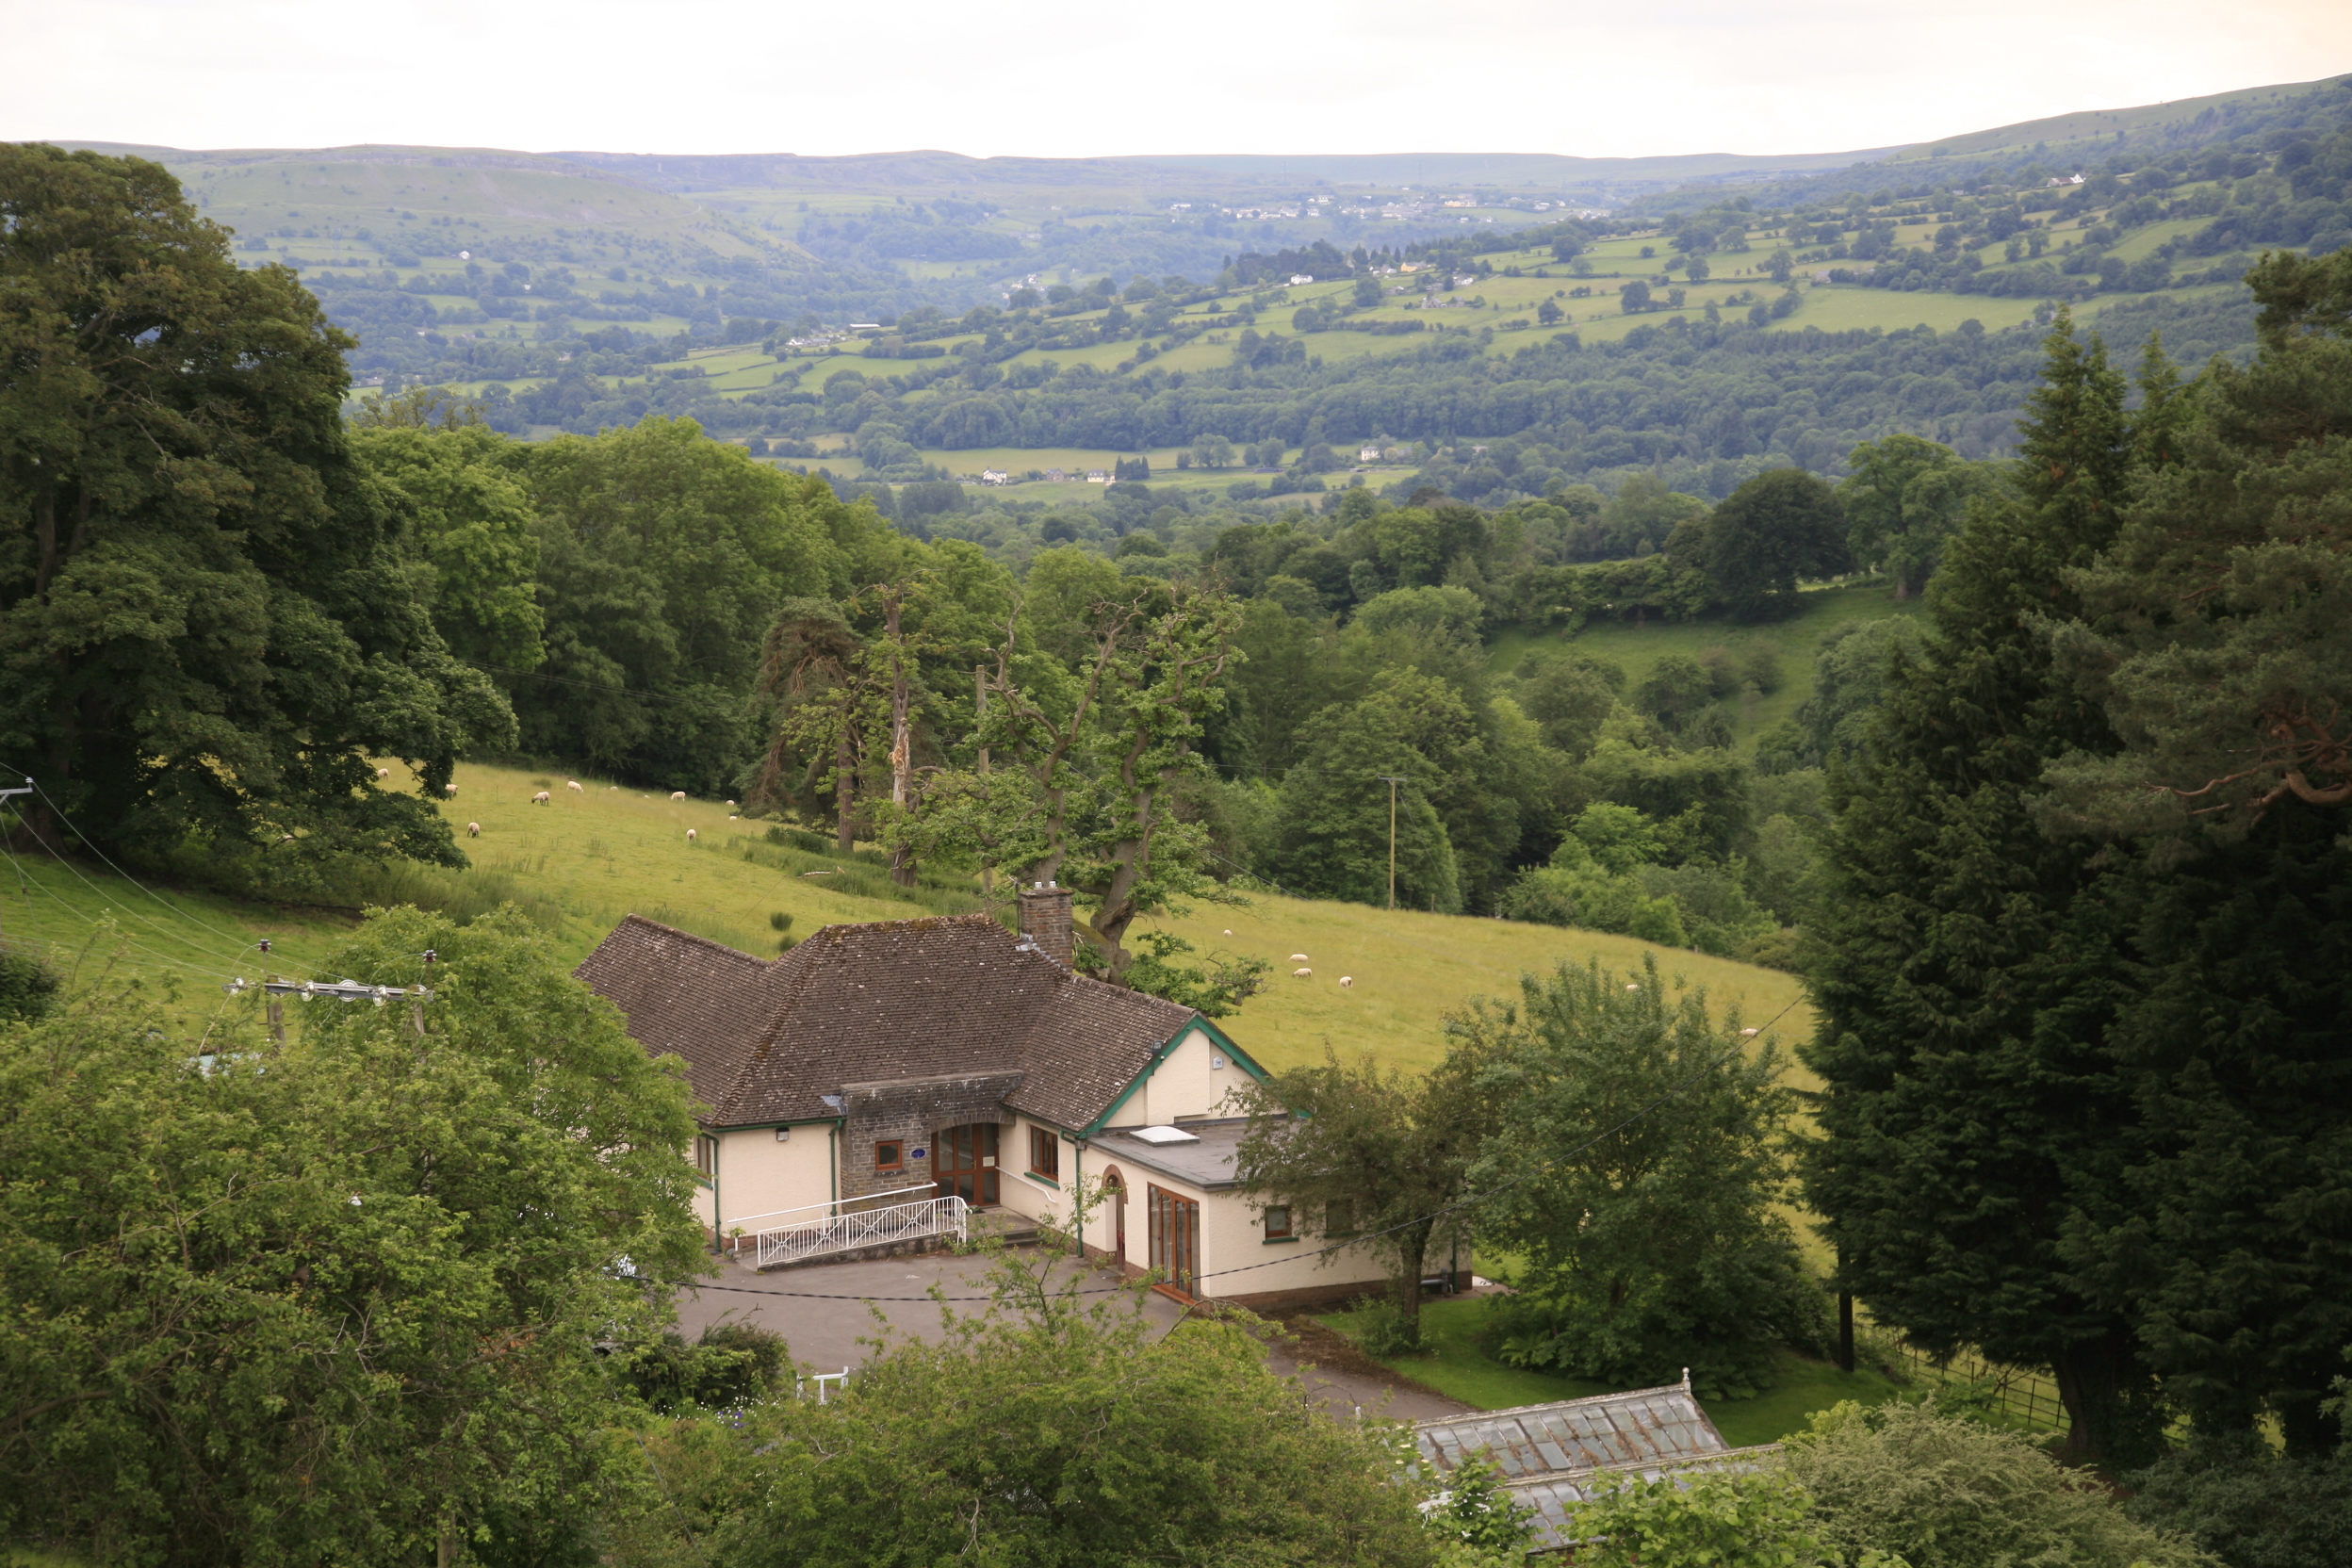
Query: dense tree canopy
x=206, y=619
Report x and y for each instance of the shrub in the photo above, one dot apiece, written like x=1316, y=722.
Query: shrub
x=2248, y=1506
x=1947, y=1491
x=28, y=988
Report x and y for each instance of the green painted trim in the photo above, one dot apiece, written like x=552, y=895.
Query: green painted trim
x=1277, y=1241
x=1042, y=1181
x=1218, y=1036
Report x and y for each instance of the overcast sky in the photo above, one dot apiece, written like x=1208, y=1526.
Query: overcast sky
x=1051, y=78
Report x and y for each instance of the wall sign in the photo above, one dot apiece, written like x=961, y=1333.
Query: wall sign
x=917, y=1153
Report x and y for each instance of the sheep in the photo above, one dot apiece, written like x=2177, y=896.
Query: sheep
x=1633, y=986
x=1298, y=958
x=449, y=790
x=691, y=835
x=613, y=789
x=473, y=831
x=1302, y=974
x=573, y=785
x=677, y=794
x=541, y=798
x=1347, y=981
x=384, y=773
x=1749, y=1034
x=1229, y=932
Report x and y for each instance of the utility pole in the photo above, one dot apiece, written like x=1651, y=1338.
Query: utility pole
x=7, y=796
x=1392, y=783
x=979, y=716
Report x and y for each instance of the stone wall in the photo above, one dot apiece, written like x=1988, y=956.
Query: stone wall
x=911, y=1110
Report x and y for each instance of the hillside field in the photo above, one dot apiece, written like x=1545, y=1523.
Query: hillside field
x=1797, y=640
x=585, y=860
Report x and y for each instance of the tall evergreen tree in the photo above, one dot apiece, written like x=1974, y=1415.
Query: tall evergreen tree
x=1968, y=968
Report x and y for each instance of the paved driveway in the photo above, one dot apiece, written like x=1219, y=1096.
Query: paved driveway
x=827, y=1315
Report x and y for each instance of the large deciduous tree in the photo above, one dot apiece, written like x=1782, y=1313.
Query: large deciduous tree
x=207, y=623
x=1636, y=1157
x=335, y=1298
x=1903, y=498
x=1773, y=530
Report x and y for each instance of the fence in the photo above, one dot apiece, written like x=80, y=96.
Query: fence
x=2029, y=1398
x=809, y=1238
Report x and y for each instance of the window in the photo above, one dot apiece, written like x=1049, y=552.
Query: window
x=1278, y=1222
x=1339, y=1217
x=889, y=1154
x=1045, y=1154
x=706, y=1154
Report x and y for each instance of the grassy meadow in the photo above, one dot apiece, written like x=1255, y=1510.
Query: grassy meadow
x=584, y=860
x=1797, y=640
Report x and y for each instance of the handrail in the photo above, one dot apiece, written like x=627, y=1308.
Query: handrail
x=809, y=1238
x=835, y=1202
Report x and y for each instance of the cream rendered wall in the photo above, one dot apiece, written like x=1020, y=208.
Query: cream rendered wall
x=1183, y=1084
x=759, y=1176
x=1232, y=1236
x=1021, y=1193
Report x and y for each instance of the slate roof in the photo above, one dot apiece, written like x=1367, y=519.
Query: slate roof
x=1647, y=1425
x=952, y=996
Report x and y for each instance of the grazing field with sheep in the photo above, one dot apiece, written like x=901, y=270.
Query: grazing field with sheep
x=1365, y=979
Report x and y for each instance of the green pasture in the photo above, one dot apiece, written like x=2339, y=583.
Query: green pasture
x=1457, y=1365
x=1796, y=641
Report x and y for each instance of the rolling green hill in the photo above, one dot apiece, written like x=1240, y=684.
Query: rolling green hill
x=586, y=860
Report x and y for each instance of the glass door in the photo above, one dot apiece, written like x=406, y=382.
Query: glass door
x=1175, y=1239
x=963, y=1163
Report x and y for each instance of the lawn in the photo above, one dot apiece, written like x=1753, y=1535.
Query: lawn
x=1797, y=641
x=1456, y=1366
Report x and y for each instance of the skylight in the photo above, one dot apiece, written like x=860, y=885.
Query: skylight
x=1165, y=1134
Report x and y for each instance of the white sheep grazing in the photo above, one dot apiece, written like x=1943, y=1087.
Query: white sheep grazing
x=1633, y=986
x=1347, y=981
x=1298, y=958
x=473, y=831
x=691, y=835
x=449, y=789
x=677, y=794
x=1302, y=974
x=615, y=789
x=384, y=773
x=573, y=785
x=730, y=803
x=541, y=798
x=1229, y=932
x=1749, y=1034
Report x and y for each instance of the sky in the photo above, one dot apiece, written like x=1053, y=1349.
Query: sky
x=1057, y=79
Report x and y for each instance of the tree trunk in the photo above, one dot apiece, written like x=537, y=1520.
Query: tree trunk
x=844, y=793
x=902, y=740
x=2092, y=1376
x=979, y=713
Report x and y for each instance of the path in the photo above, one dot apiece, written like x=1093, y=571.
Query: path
x=824, y=1312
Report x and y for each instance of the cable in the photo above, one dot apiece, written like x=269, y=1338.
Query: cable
x=163, y=958
x=1336, y=1246
x=243, y=947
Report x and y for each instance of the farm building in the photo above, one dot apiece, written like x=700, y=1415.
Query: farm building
x=879, y=1079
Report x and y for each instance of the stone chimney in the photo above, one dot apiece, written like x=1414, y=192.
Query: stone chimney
x=1045, y=921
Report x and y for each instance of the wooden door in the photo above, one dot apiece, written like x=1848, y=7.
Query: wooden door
x=963, y=1163
x=1175, y=1239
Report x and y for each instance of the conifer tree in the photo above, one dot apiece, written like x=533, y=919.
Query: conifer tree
x=1969, y=966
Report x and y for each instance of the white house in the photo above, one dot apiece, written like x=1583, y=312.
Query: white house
x=994, y=475
x=1301, y=277
x=889, y=1063
x=1098, y=476
x=1367, y=454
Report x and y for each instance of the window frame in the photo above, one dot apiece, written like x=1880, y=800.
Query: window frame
x=1278, y=1230
x=1045, y=1154
x=707, y=1156
x=1344, y=1211
x=898, y=1162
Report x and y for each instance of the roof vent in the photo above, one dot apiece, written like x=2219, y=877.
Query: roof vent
x=1164, y=1135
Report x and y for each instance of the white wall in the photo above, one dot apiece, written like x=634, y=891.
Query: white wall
x=759, y=1176
x=1232, y=1236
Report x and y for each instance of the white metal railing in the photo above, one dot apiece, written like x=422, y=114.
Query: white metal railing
x=809, y=1238
x=739, y=1220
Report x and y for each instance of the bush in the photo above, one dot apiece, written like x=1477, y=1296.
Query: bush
x=28, y=988
x=731, y=1365
x=1946, y=1492
x=1384, y=1328
x=2248, y=1506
